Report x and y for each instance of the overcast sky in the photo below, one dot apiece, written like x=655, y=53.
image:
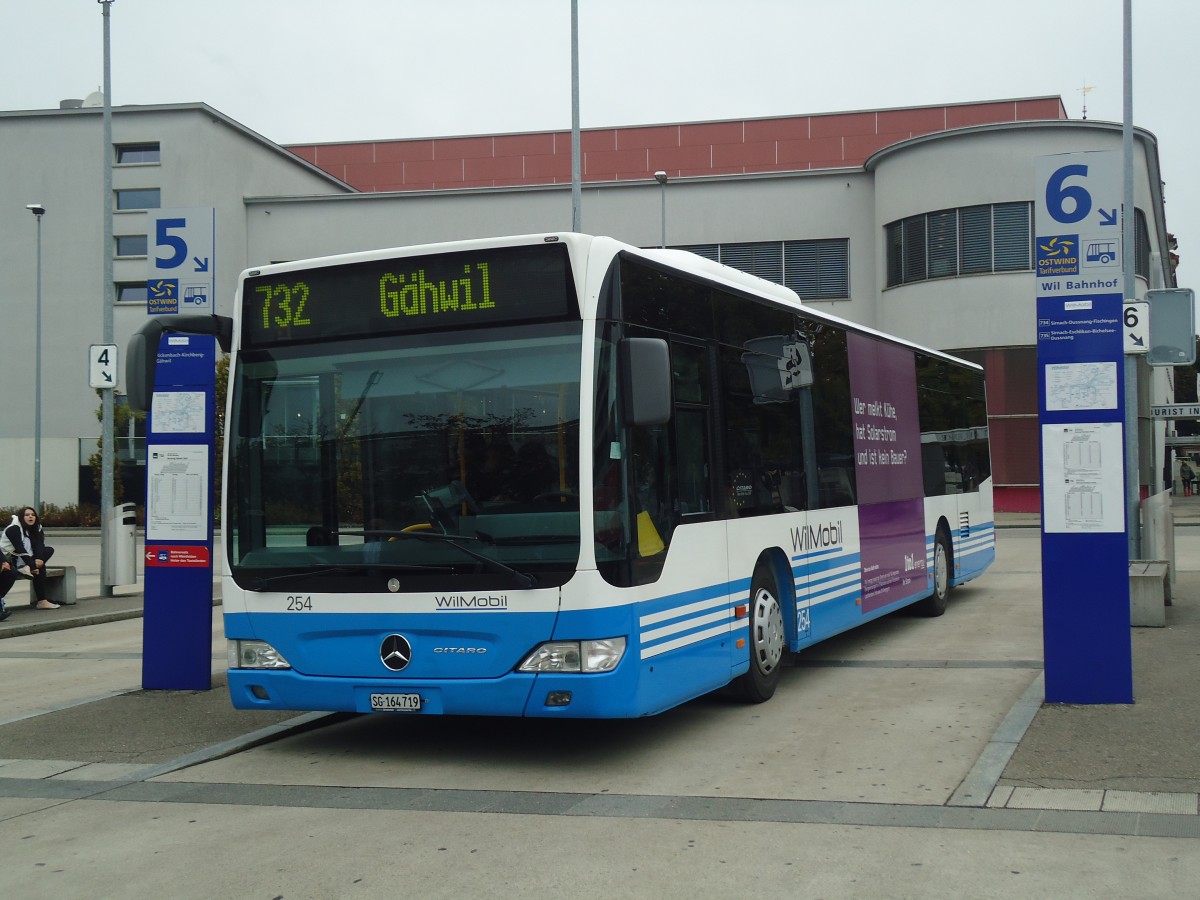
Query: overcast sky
x=300, y=71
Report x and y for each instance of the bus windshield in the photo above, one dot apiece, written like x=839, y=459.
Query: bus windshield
x=442, y=461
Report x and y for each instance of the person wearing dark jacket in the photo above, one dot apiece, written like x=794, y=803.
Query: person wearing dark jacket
x=8, y=576
x=24, y=546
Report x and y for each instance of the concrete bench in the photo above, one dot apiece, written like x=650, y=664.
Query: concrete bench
x=60, y=585
x=1149, y=593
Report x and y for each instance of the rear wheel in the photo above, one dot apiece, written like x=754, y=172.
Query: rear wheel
x=767, y=637
x=935, y=603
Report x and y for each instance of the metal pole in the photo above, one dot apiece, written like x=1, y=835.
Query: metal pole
x=106, y=407
x=1133, y=479
x=37, y=380
x=661, y=177
x=663, y=190
x=576, y=176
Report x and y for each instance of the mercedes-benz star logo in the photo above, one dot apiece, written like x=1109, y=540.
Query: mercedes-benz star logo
x=395, y=651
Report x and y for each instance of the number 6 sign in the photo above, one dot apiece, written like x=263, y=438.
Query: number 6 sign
x=1077, y=243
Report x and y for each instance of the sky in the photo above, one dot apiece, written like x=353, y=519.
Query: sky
x=302, y=71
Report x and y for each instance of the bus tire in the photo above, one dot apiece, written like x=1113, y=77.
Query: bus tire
x=935, y=604
x=768, y=639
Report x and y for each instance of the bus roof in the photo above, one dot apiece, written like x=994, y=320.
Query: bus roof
x=686, y=261
x=679, y=260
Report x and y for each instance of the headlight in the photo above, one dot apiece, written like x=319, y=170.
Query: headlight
x=575, y=656
x=255, y=655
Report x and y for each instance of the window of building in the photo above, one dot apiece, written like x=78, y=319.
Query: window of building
x=1141, y=245
x=816, y=270
x=139, y=198
x=131, y=245
x=128, y=154
x=966, y=241
x=974, y=241
x=1011, y=225
x=131, y=292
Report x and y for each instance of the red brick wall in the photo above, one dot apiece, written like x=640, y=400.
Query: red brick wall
x=741, y=146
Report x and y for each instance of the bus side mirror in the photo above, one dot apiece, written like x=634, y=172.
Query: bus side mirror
x=141, y=356
x=646, y=377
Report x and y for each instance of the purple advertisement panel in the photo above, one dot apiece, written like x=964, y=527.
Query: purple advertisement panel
x=892, y=541
x=887, y=432
x=887, y=465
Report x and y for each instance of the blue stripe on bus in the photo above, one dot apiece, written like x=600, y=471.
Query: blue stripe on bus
x=972, y=554
x=830, y=578
x=691, y=617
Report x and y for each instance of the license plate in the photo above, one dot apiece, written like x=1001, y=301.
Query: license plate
x=395, y=702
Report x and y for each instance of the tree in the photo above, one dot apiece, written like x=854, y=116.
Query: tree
x=122, y=415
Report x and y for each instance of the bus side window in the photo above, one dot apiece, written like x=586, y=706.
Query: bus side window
x=692, y=391
x=653, y=488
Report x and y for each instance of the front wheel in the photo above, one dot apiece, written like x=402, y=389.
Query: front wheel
x=767, y=638
x=935, y=604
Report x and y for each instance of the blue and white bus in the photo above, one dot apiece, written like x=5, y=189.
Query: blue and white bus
x=557, y=475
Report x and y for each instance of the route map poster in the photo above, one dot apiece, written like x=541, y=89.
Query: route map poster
x=1085, y=461
x=177, y=489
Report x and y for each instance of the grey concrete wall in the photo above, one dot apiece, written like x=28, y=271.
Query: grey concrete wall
x=55, y=158
x=272, y=207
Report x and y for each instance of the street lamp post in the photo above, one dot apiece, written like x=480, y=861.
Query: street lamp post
x=107, y=416
x=38, y=211
x=576, y=176
x=661, y=177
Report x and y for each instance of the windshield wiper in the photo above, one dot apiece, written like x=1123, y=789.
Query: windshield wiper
x=323, y=571
x=528, y=539
x=523, y=579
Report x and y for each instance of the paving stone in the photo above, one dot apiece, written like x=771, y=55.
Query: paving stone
x=1179, y=804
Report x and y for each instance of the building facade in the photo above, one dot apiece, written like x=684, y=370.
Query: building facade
x=163, y=157
x=915, y=221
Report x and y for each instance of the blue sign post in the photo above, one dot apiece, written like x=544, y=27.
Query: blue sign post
x=1085, y=567
x=1080, y=342
x=177, y=623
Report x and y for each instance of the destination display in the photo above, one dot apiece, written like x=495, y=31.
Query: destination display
x=409, y=294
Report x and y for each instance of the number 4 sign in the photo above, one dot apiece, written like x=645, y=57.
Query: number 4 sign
x=102, y=366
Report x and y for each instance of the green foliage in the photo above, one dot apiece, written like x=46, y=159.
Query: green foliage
x=73, y=515
x=122, y=415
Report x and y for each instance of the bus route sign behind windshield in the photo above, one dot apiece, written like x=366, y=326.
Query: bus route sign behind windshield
x=408, y=294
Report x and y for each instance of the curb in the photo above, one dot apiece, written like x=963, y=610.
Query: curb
x=60, y=624
x=132, y=610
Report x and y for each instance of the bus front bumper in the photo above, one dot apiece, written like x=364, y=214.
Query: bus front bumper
x=516, y=694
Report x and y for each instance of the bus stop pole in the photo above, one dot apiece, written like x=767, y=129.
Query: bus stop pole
x=1133, y=477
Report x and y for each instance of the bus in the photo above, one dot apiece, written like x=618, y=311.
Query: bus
x=559, y=475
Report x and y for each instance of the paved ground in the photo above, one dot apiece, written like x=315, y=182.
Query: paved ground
x=1140, y=757
x=846, y=789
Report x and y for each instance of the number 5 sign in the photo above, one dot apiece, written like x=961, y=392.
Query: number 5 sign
x=179, y=277
x=1077, y=243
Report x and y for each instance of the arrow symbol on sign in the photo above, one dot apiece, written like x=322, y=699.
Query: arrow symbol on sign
x=1137, y=341
x=201, y=265
x=107, y=377
x=1108, y=216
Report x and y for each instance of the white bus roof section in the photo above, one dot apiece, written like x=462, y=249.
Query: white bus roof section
x=736, y=278
x=719, y=272
x=581, y=246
